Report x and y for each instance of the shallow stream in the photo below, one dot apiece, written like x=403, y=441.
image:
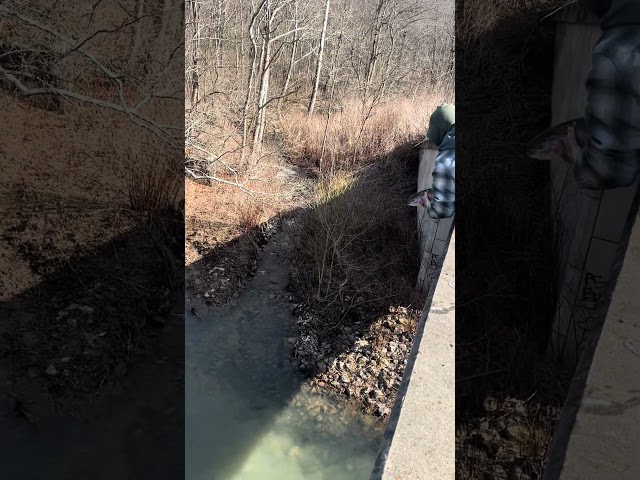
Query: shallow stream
x=249, y=414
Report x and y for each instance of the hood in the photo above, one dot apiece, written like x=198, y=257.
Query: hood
x=449, y=141
x=440, y=123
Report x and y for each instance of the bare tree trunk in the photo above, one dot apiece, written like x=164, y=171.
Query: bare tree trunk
x=237, y=45
x=387, y=69
x=252, y=53
x=333, y=71
x=292, y=58
x=220, y=32
x=165, y=30
x=196, y=48
x=373, y=57
x=268, y=60
x=265, y=72
x=308, y=75
x=314, y=93
x=332, y=79
x=399, y=60
x=136, y=39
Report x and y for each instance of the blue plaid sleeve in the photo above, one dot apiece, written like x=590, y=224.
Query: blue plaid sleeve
x=444, y=186
x=611, y=156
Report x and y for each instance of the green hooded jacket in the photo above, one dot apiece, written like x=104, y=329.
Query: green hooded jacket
x=441, y=121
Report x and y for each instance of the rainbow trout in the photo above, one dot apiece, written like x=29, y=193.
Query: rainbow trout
x=549, y=145
x=421, y=198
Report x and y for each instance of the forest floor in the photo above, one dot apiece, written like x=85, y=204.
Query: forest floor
x=91, y=333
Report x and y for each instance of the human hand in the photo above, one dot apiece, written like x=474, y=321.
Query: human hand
x=572, y=149
x=421, y=198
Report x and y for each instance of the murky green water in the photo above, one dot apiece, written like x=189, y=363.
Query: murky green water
x=249, y=414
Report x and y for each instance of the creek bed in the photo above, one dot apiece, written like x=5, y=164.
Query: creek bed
x=250, y=413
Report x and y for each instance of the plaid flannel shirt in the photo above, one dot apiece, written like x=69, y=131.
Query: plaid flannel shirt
x=611, y=156
x=443, y=204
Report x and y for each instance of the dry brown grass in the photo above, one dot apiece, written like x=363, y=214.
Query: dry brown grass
x=154, y=191
x=73, y=179
x=477, y=18
x=250, y=217
x=215, y=215
x=267, y=191
x=352, y=136
x=358, y=245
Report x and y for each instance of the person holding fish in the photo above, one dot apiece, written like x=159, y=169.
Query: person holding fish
x=604, y=147
x=440, y=199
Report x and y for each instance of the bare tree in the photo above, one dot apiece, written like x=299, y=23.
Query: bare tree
x=314, y=93
x=375, y=46
x=253, y=53
x=243, y=56
x=294, y=49
x=194, y=58
x=54, y=46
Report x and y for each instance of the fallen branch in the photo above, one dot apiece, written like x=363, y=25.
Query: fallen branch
x=131, y=112
x=217, y=179
x=213, y=158
x=76, y=46
x=240, y=185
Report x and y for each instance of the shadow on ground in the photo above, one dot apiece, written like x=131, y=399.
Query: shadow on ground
x=92, y=365
x=506, y=261
x=505, y=257
x=240, y=377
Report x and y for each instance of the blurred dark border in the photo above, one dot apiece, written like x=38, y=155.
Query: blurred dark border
x=505, y=263
x=117, y=412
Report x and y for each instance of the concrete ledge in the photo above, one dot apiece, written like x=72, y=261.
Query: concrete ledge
x=419, y=442
x=599, y=436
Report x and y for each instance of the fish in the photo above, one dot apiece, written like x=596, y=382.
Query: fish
x=421, y=198
x=549, y=145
